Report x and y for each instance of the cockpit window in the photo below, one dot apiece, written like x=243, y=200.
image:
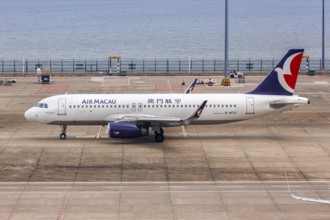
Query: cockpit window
x=42, y=105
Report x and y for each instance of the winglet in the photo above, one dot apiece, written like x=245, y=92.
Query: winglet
x=199, y=111
x=191, y=87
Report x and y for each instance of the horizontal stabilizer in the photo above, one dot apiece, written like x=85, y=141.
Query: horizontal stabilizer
x=292, y=100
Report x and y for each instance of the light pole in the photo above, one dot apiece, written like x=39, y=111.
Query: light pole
x=226, y=38
x=323, y=52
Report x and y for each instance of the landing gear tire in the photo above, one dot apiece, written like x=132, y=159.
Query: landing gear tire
x=159, y=138
x=63, y=136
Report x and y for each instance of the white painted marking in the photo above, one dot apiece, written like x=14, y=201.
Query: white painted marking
x=86, y=136
x=169, y=85
x=324, y=201
x=314, y=93
x=321, y=82
x=165, y=182
x=58, y=187
x=97, y=136
x=162, y=191
x=184, y=131
x=97, y=79
x=131, y=78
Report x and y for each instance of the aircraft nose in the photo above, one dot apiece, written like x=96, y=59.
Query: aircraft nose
x=29, y=114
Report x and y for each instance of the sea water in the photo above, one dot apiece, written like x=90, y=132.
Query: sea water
x=158, y=29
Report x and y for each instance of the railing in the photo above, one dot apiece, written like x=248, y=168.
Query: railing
x=147, y=65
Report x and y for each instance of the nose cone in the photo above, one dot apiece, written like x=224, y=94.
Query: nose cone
x=29, y=114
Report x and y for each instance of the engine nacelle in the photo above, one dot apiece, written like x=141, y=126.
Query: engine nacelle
x=126, y=130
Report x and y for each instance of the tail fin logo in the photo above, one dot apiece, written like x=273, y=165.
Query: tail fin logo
x=282, y=79
x=287, y=76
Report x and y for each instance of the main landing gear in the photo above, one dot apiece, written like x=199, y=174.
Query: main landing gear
x=159, y=134
x=63, y=134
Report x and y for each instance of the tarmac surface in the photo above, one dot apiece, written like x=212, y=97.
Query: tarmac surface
x=229, y=171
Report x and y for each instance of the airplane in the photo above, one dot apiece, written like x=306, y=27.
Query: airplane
x=132, y=115
x=191, y=87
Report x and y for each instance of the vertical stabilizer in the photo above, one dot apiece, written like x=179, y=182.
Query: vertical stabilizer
x=282, y=79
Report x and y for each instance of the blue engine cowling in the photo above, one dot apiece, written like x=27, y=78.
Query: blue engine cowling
x=126, y=130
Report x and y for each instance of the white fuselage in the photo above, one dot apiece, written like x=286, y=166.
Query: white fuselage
x=100, y=109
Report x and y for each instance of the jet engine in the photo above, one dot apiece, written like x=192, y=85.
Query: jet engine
x=127, y=130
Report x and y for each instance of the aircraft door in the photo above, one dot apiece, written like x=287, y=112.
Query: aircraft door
x=61, y=106
x=249, y=105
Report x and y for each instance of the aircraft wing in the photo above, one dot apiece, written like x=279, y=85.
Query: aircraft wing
x=153, y=120
x=161, y=120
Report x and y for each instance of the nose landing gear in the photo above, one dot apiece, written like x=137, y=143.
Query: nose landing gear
x=63, y=134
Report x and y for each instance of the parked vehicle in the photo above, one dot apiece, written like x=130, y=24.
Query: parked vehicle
x=235, y=74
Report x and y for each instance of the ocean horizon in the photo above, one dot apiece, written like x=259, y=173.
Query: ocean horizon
x=155, y=29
